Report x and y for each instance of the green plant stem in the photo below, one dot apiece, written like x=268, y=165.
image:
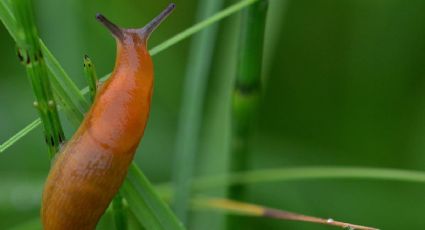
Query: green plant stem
x=72, y=100
x=23, y=132
x=91, y=77
x=247, y=87
x=145, y=203
x=6, y=16
x=309, y=173
x=249, y=209
x=80, y=105
x=199, y=64
x=30, y=55
x=246, y=95
x=69, y=97
x=298, y=174
x=120, y=212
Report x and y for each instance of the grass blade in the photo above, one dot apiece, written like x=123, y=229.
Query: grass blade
x=247, y=87
x=7, y=18
x=308, y=173
x=201, y=25
x=247, y=209
x=73, y=101
x=197, y=72
x=145, y=203
x=120, y=212
x=297, y=174
x=20, y=134
x=91, y=77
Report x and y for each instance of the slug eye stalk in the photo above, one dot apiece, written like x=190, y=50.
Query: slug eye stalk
x=143, y=32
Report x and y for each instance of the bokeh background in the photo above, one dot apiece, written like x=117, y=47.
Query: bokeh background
x=344, y=85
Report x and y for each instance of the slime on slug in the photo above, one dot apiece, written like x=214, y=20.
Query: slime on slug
x=91, y=167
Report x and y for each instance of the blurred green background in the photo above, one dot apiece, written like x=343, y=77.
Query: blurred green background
x=344, y=85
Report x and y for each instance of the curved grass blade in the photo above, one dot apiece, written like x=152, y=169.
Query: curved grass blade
x=150, y=210
x=247, y=209
x=285, y=175
x=8, y=19
x=20, y=134
x=299, y=174
x=201, y=25
x=190, y=118
x=73, y=101
x=310, y=173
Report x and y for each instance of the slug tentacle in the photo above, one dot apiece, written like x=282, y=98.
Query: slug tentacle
x=147, y=30
x=115, y=30
x=144, y=32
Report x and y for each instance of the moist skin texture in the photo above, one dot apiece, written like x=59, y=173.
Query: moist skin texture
x=93, y=164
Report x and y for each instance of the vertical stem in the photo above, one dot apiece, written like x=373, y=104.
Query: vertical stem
x=120, y=212
x=30, y=55
x=247, y=90
x=91, y=77
x=200, y=56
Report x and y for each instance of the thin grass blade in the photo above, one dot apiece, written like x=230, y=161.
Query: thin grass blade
x=145, y=203
x=194, y=90
x=248, y=209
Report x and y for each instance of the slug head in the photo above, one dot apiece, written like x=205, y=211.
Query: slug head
x=142, y=33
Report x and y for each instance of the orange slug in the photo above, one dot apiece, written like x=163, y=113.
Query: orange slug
x=91, y=167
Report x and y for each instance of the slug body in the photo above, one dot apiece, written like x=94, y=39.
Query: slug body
x=90, y=169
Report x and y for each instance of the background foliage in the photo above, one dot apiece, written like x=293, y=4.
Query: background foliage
x=343, y=86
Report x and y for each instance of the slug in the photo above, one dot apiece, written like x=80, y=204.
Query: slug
x=91, y=167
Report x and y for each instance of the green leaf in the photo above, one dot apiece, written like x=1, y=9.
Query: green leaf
x=149, y=209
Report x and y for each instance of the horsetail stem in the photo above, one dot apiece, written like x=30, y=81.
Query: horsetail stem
x=120, y=212
x=247, y=88
x=30, y=55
